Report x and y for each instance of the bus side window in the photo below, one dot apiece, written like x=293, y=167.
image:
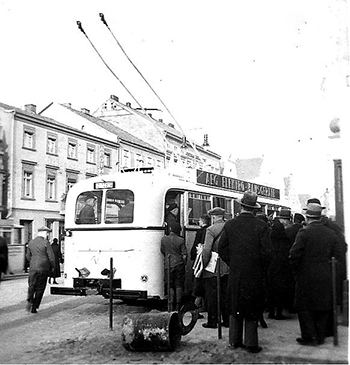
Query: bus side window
x=198, y=205
x=88, y=208
x=119, y=206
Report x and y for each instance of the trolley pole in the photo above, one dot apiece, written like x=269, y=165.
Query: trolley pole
x=111, y=295
x=334, y=290
x=218, y=291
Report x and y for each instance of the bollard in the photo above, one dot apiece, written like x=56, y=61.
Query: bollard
x=153, y=331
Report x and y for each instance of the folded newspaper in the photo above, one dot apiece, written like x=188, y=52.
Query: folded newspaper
x=212, y=262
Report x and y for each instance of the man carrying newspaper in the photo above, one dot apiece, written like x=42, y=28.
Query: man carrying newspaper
x=209, y=256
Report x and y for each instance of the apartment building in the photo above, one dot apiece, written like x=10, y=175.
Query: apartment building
x=41, y=158
x=147, y=125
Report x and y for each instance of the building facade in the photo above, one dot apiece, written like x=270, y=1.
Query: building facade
x=41, y=159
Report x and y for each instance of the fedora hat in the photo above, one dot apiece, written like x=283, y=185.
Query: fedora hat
x=313, y=200
x=216, y=211
x=44, y=229
x=249, y=199
x=314, y=210
x=284, y=214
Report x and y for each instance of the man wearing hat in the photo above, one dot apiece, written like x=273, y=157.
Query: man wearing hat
x=285, y=217
x=171, y=217
x=310, y=259
x=87, y=214
x=245, y=247
x=41, y=261
x=292, y=232
x=212, y=237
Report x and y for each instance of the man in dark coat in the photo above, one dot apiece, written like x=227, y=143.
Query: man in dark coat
x=41, y=260
x=198, y=283
x=310, y=259
x=171, y=217
x=174, y=247
x=3, y=256
x=280, y=279
x=293, y=230
x=245, y=247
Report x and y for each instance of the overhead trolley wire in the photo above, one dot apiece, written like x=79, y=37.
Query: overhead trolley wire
x=167, y=109
x=105, y=63
x=83, y=31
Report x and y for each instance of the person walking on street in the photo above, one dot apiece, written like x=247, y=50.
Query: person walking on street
x=174, y=245
x=310, y=259
x=41, y=260
x=245, y=247
x=56, y=271
x=212, y=237
x=4, y=256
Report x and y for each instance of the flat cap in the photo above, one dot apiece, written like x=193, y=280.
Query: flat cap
x=216, y=211
x=44, y=229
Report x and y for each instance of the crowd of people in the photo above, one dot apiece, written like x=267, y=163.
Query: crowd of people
x=279, y=264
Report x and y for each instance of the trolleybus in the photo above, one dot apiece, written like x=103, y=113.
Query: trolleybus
x=122, y=216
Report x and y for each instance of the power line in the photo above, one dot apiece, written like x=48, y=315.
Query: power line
x=167, y=109
x=83, y=31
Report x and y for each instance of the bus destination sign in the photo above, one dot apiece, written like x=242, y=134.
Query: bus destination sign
x=104, y=185
x=240, y=186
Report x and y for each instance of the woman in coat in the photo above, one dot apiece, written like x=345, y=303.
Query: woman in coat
x=56, y=273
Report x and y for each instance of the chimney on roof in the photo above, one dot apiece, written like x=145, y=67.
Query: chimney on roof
x=30, y=108
x=160, y=120
x=115, y=98
x=205, y=142
x=85, y=111
x=128, y=104
x=67, y=104
x=171, y=125
x=150, y=114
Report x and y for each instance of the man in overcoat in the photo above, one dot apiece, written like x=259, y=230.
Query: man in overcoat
x=310, y=259
x=245, y=247
x=211, y=241
x=41, y=261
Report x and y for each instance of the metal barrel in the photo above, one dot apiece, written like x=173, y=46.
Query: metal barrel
x=153, y=331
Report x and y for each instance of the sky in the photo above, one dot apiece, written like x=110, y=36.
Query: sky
x=262, y=78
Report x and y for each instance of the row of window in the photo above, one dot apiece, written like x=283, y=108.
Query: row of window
x=50, y=183
x=119, y=206
x=129, y=159
x=29, y=142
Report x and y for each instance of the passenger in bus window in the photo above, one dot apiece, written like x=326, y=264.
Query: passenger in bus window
x=175, y=257
x=171, y=217
x=126, y=213
x=87, y=214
